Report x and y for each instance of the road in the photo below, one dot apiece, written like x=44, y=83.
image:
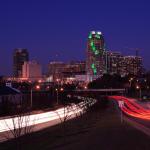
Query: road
x=99, y=128
x=43, y=120
x=135, y=112
x=145, y=104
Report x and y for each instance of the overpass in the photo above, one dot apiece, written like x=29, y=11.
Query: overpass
x=101, y=90
x=91, y=92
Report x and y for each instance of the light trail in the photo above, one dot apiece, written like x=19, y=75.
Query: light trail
x=131, y=108
x=71, y=111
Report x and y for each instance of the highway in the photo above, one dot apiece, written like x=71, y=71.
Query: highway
x=46, y=119
x=136, y=113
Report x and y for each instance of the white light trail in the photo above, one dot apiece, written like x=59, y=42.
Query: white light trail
x=29, y=120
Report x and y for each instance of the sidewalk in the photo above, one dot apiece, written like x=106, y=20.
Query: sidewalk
x=99, y=129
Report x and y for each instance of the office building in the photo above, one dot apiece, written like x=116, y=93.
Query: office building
x=31, y=71
x=113, y=62
x=95, y=63
x=19, y=57
x=75, y=67
x=123, y=65
x=55, y=70
x=61, y=71
x=132, y=65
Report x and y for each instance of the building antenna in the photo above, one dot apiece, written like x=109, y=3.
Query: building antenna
x=136, y=50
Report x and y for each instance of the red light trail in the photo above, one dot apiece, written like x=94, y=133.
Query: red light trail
x=131, y=108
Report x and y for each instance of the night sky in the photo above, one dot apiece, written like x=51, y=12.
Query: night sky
x=60, y=27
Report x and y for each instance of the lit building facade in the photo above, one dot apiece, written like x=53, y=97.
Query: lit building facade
x=31, y=70
x=19, y=57
x=132, y=65
x=61, y=71
x=113, y=62
x=55, y=70
x=123, y=65
x=75, y=67
x=95, y=63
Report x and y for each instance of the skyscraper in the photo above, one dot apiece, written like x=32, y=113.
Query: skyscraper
x=19, y=57
x=95, y=64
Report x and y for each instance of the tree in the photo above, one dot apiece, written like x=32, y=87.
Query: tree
x=18, y=125
x=108, y=81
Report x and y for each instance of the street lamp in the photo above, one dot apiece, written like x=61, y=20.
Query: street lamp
x=37, y=87
x=131, y=79
x=140, y=91
x=57, y=92
x=31, y=96
x=61, y=89
x=85, y=87
x=57, y=95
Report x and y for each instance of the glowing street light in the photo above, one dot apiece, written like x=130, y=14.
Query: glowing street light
x=57, y=92
x=131, y=79
x=85, y=87
x=140, y=91
x=37, y=87
x=39, y=81
x=61, y=89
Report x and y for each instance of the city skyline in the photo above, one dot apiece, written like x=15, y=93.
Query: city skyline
x=47, y=32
